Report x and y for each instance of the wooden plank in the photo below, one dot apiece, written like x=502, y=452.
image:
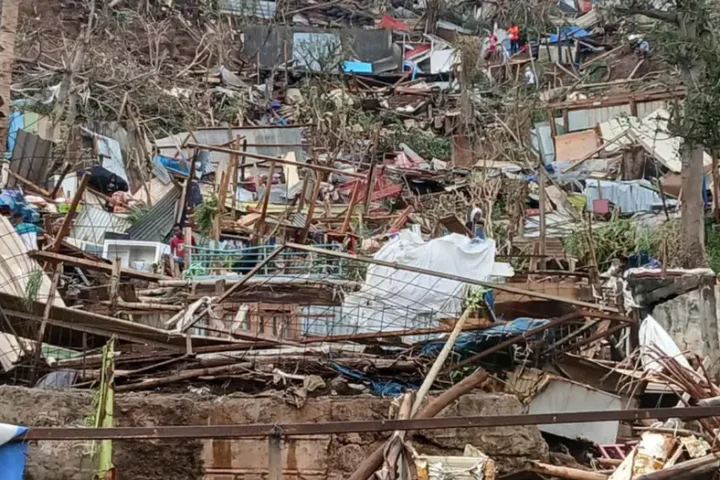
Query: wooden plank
x=67, y=221
x=92, y=265
x=45, y=318
x=260, y=224
x=311, y=207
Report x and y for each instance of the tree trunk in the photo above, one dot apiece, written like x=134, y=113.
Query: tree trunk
x=709, y=326
x=8, y=26
x=693, y=209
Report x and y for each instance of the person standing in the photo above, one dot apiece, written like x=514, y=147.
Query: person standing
x=177, y=246
x=514, y=34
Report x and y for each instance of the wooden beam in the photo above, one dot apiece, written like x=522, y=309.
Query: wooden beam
x=30, y=184
x=351, y=208
x=186, y=188
x=449, y=276
x=67, y=221
x=311, y=207
x=260, y=224
x=282, y=161
x=45, y=318
x=114, y=286
x=93, y=265
x=234, y=159
x=58, y=184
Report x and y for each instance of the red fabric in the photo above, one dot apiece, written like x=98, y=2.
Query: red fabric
x=417, y=51
x=177, y=245
x=393, y=24
x=514, y=32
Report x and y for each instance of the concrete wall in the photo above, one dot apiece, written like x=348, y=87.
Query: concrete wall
x=319, y=457
x=681, y=318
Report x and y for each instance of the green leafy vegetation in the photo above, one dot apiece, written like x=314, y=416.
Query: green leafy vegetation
x=32, y=289
x=623, y=236
x=204, y=214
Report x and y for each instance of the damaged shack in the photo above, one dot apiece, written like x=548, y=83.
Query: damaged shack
x=358, y=240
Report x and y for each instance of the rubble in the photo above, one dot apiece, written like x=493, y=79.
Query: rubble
x=332, y=212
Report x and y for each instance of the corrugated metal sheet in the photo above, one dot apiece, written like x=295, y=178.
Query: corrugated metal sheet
x=158, y=191
x=542, y=141
x=93, y=221
x=254, y=136
x=248, y=8
x=31, y=158
x=584, y=119
x=588, y=118
x=269, y=41
x=156, y=224
x=645, y=109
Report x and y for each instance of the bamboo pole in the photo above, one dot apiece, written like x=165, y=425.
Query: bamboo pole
x=373, y=462
x=67, y=221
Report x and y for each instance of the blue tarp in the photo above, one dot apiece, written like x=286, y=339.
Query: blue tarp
x=12, y=454
x=357, y=67
x=381, y=387
x=17, y=122
x=475, y=341
x=568, y=33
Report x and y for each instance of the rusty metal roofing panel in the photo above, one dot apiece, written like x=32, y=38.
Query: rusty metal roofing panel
x=157, y=223
x=30, y=158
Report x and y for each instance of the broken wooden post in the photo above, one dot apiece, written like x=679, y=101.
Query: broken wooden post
x=260, y=225
x=233, y=179
x=187, y=245
x=46, y=316
x=351, y=209
x=439, y=362
x=114, y=284
x=66, y=169
x=67, y=221
x=311, y=207
x=182, y=206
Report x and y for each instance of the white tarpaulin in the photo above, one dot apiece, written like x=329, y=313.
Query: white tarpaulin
x=392, y=299
x=654, y=338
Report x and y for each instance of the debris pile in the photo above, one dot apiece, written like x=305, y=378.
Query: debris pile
x=413, y=200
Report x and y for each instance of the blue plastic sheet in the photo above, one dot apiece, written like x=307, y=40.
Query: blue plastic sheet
x=17, y=122
x=567, y=33
x=470, y=342
x=12, y=454
x=381, y=387
x=357, y=67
